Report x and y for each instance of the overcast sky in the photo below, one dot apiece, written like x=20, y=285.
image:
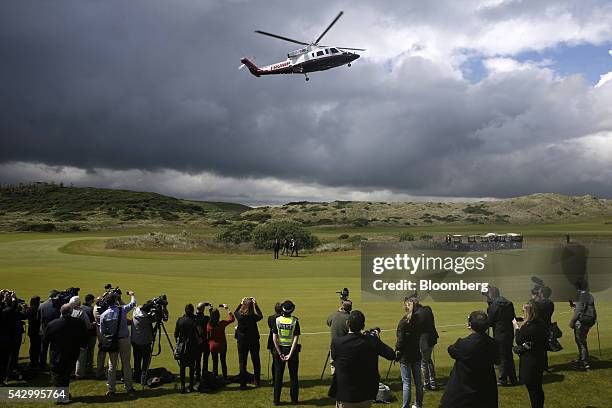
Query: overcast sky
x=452, y=99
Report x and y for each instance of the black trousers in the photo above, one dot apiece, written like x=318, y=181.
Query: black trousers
x=15, y=353
x=279, y=368
x=215, y=360
x=201, y=365
x=244, y=348
x=507, y=371
x=44, y=353
x=276, y=253
x=142, y=360
x=184, y=367
x=5, y=353
x=581, y=331
x=35, y=341
x=536, y=394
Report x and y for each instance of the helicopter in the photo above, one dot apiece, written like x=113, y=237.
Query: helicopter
x=312, y=58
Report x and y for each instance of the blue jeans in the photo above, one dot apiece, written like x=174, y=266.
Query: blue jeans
x=411, y=371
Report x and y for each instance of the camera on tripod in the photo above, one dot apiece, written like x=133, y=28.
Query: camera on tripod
x=159, y=308
x=344, y=294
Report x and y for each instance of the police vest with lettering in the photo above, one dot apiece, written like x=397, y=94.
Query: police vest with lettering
x=285, y=327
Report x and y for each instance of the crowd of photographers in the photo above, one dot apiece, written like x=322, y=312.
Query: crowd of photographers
x=71, y=330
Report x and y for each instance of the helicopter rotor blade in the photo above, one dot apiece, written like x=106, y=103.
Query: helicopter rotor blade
x=328, y=27
x=351, y=49
x=280, y=37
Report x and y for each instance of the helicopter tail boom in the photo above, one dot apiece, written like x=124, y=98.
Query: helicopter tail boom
x=255, y=70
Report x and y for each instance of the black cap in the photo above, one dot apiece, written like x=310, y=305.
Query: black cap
x=288, y=307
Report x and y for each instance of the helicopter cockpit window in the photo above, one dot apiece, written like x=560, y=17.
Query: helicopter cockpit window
x=327, y=50
x=334, y=51
x=319, y=53
x=312, y=54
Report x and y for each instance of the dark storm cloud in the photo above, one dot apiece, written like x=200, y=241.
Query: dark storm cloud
x=154, y=85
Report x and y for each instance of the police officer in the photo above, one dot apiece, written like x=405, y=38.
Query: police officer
x=286, y=347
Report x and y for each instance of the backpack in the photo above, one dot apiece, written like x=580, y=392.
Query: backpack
x=384, y=396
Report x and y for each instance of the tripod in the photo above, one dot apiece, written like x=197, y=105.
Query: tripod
x=157, y=333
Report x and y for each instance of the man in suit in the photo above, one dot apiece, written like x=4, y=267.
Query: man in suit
x=472, y=381
x=47, y=312
x=500, y=313
x=67, y=336
x=356, y=377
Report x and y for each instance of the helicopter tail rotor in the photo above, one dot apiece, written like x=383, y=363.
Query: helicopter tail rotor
x=255, y=70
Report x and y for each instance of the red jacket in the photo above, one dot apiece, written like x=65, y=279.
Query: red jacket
x=216, y=334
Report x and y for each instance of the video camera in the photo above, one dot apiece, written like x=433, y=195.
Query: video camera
x=344, y=294
x=159, y=308
x=64, y=297
x=104, y=302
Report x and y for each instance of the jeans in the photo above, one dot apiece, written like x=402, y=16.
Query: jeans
x=101, y=360
x=125, y=354
x=409, y=372
x=427, y=367
x=581, y=331
x=142, y=359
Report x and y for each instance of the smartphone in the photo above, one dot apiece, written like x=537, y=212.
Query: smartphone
x=520, y=318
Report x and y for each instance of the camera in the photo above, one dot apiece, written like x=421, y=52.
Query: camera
x=373, y=332
x=159, y=309
x=344, y=294
x=63, y=297
x=104, y=302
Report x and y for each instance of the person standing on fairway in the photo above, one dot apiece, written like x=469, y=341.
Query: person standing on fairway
x=276, y=246
x=247, y=336
x=286, y=347
x=338, y=325
x=584, y=317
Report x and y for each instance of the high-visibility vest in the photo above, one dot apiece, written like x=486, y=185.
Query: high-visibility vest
x=285, y=327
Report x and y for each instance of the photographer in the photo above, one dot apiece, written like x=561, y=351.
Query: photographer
x=247, y=335
x=531, y=348
x=92, y=333
x=472, y=380
x=77, y=312
x=187, y=339
x=545, y=309
x=217, y=342
x=113, y=322
x=67, y=336
x=278, y=310
x=203, y=351
x=34, y=331
x=409, y=353
x=47, y=312
x=356, y=377
x=11, y=316
x=285, y=337
x=142, y=340
x=501, y=313
x=337, y=322
x=428, y=339
x=584, y=317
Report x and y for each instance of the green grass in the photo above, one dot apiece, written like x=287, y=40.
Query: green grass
x=34, y=264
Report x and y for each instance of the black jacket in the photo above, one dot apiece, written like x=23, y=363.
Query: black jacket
x=501, y=314
x=427, y=326
x=33, y=321
x=11, y=322
x=408, y=338
x=271, y=326
x=202, y=321
x=247, y=325
x=355, y=357
x=545, y=308
x=584, y=312
x=472, y=382
x=66, y=336
x=532, y=362
x=187, y=330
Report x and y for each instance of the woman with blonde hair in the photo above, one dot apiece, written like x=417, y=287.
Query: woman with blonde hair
x=407, y=348
x=531, y=348
x=247, y=335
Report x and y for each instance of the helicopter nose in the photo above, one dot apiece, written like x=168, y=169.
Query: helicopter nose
x=354, y=56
